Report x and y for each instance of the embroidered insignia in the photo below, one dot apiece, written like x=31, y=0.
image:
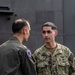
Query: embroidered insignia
x=29, y=53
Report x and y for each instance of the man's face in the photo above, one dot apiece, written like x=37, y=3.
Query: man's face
x=27, y=32
x=48, y=34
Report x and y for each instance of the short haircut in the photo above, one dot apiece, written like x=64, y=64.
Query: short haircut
x=49, y=24
x=18, y=25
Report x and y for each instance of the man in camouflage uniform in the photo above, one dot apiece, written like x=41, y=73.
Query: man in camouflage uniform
x=53, y=58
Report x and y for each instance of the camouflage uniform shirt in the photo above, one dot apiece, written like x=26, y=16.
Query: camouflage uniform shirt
x=61, y=62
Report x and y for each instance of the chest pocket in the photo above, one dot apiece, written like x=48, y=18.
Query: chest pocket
x=63, y=66
x=42, y=64
x=43, y=67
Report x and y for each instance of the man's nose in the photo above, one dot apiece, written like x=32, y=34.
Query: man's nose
x=46, y=34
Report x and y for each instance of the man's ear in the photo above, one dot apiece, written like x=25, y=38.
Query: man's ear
x=56, y=32
x=24, y=31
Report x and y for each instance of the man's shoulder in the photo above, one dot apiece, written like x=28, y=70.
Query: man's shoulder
x=61, y=46
x=5, y=44
x=39, y=50
x=64, y=49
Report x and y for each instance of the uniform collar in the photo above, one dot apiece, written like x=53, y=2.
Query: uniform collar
x=57, y=51
x=14, y=39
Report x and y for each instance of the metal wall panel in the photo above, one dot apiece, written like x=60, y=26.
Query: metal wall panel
x=37, y=12
x=69, y=24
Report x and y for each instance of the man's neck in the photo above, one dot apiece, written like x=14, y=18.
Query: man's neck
x=19, y=37
x=51, y=45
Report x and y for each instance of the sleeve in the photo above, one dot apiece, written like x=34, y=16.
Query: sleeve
x=33, y=57
x=27, y=66
x=72, y=64
x=35, y=60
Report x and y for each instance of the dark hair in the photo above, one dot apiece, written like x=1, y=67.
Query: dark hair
x=49, y=24
x=18, y=25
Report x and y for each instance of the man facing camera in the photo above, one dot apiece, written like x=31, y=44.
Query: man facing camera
x=53, y=58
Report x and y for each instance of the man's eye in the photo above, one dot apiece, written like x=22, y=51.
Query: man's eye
x=44, y=32
x=48, y=31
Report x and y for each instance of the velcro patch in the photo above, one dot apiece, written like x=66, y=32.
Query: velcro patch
x=29, y=53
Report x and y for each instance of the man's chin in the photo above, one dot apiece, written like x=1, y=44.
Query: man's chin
x=25, y=40
x=47, y=41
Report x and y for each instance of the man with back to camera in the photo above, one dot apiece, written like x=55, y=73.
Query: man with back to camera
x=15, y=58
x=53, y=58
